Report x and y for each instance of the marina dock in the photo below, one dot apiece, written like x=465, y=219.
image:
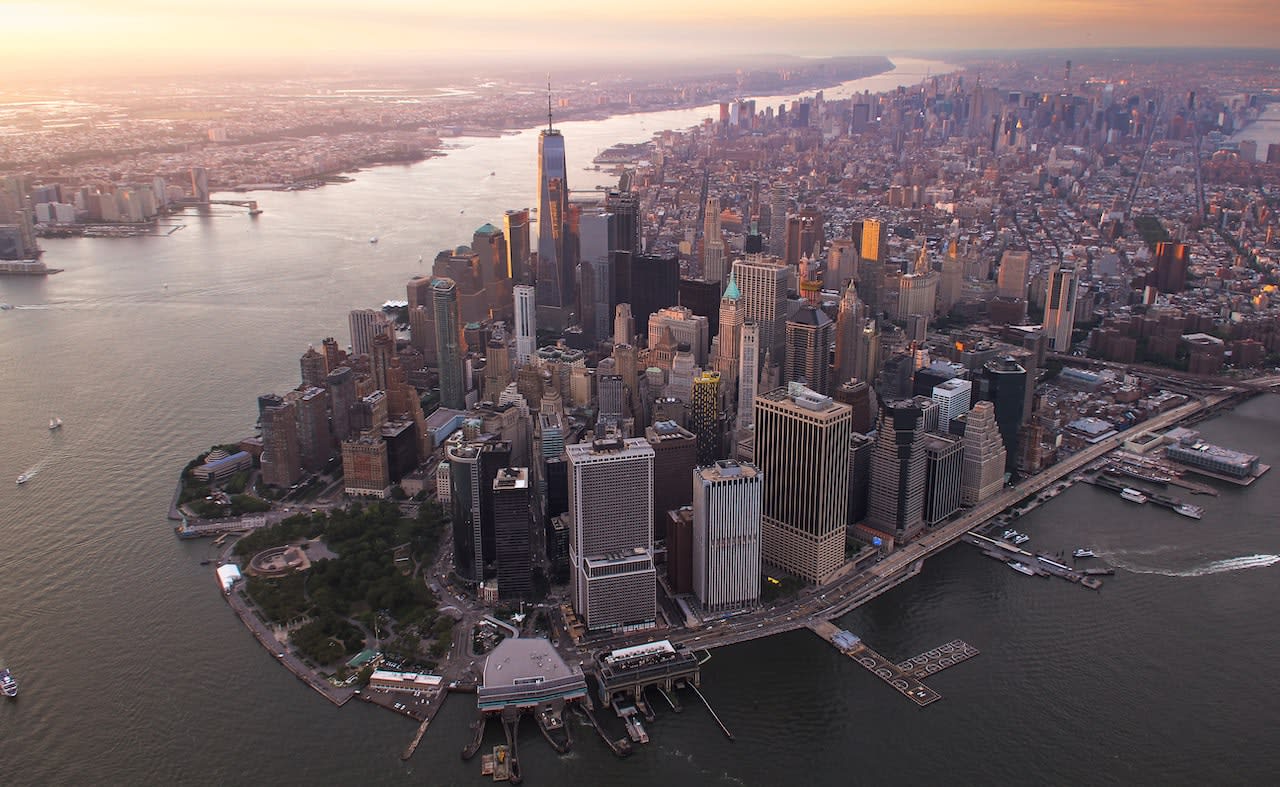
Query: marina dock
x=1039, y=564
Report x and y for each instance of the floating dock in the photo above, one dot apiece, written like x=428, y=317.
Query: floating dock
x=1040, y=563
x=904, y=677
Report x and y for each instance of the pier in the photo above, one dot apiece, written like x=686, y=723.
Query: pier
x=902, y=680
x=1039, y=563
x=934, y=661
x=712, y=711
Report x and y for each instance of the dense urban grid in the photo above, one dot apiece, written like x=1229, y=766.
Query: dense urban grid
x=795, y=350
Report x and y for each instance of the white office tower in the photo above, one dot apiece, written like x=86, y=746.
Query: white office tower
x=762, y=281
x=526, y=323
x=713, y=256
x=953, y=397
x=748, y=373
x=612, y=578
x=1060, y=308
x=366, y=324
x=726, y=536
x=984, y=455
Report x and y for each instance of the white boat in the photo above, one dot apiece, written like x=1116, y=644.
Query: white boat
x=373, y=240
x=1187, y=509
x=24, y=478
x=1132, y=495
x=1010, y=533
x=1021, y=568
x=1082, y=552
x=55, y=423
x=1021, y=538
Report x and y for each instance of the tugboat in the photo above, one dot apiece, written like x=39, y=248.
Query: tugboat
x=8, y=683
x=1083, y=552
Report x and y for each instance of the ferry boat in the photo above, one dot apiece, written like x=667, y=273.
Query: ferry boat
x=8, y=683
x=1187, y=509
x=1133, y=495
x=55, y=424
x=1083, y=552
x=1021, y=568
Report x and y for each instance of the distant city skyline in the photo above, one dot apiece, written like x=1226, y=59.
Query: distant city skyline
x=68, y=34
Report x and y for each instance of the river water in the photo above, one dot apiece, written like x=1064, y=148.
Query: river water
x=133, y=670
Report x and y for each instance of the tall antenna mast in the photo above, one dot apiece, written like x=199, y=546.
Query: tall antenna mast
x=549, y=128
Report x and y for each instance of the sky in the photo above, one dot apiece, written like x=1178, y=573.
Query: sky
x=123, y=36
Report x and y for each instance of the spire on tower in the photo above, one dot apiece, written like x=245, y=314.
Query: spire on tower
x=549, y=127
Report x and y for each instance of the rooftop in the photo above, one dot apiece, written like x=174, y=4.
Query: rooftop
x=524, y=660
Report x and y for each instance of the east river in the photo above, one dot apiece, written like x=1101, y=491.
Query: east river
x=133, y=670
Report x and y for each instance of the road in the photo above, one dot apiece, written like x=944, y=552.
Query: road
x=848, y=592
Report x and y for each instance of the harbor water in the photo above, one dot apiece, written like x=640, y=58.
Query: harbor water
x=133, y=670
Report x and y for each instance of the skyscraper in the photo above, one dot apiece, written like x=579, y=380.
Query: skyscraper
x=490, y=245
x=449, y=343
x=364, y=324
x=422, y=325
x=526, y=323
x=809, y=336
x=624, y=325
x=612, y=579
x=555, y=263
x=512, y=525
x=802, y=447
x=686, y=328
x=779, y=204
x=315, y=439
x=899, y=471
x=945, y=468
x=705, y=420
x=713, y=251
x=1011, y=281
x=953, y=397
x=281, y=465
x=728, y=341
x=516, y=224
x=1170, y=271
x=654, y=284
x=726, y=536
x=313, y=368
x=1060, y=308
x=675, y=455
x=984, y=455
x=1004, y=383
x=595, y=241
x=850, y=360
x=748, y=373
x=763, y=284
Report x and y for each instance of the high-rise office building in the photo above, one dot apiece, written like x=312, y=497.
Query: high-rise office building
x=705, y=416
x=984, y=455
x=315, y=438
x=954, y=397
x=858, y=395
x=804, y=236
x=489, y=244
x=686, y=328
x=1004, y=384
x=596, y=286
x=624, y=204
x=612, y=579
x=364, y=325
x=899, y=471
x=870, y=240
x=654, y=284
x=281, y=464
x=728, y=340
x=850, y=359
x=365, y=469
x=422, y=325
x=675, y=455
x=624, y=325
x=808, y=357
x=748, y=373
x=555, y=263
x=1060, y=308
x=726, y=536
x=860, y=447
x=779, y=205
x=381, y=350
x=449, y=343
x=1011, y=281
x=341, y=386
x=944, y=470
x=516, y=225
x=802, y=447
x=763, y=284
x=917, y=295
x=713, y=248
x=526, y=323
x=512, y=526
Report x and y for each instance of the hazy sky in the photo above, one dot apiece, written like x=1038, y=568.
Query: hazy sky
x=124, y=35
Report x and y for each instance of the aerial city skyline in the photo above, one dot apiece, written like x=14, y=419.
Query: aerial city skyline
x=750, y=376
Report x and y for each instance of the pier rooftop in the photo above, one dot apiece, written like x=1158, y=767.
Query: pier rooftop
x=524, y=672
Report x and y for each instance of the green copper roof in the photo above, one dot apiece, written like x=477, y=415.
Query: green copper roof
x=732, y=292
x=487, y=229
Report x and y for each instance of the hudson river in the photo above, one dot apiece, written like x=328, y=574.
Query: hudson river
x=133, y=670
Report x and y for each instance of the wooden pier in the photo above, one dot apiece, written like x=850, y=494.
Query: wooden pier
x=934, y=661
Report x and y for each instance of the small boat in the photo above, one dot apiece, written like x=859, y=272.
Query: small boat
x=55, y=424
x=1132, y=495
x=1021, y=538
x=373, y=240
x=24, y=478
x=1021, y=568
x=1082, y=552
x=1010, y=533
x=8, y=683
x=1187, y=509
x=205, y=562
x=4, y=307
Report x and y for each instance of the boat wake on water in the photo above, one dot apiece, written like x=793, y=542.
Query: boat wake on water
x=1212, y=567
